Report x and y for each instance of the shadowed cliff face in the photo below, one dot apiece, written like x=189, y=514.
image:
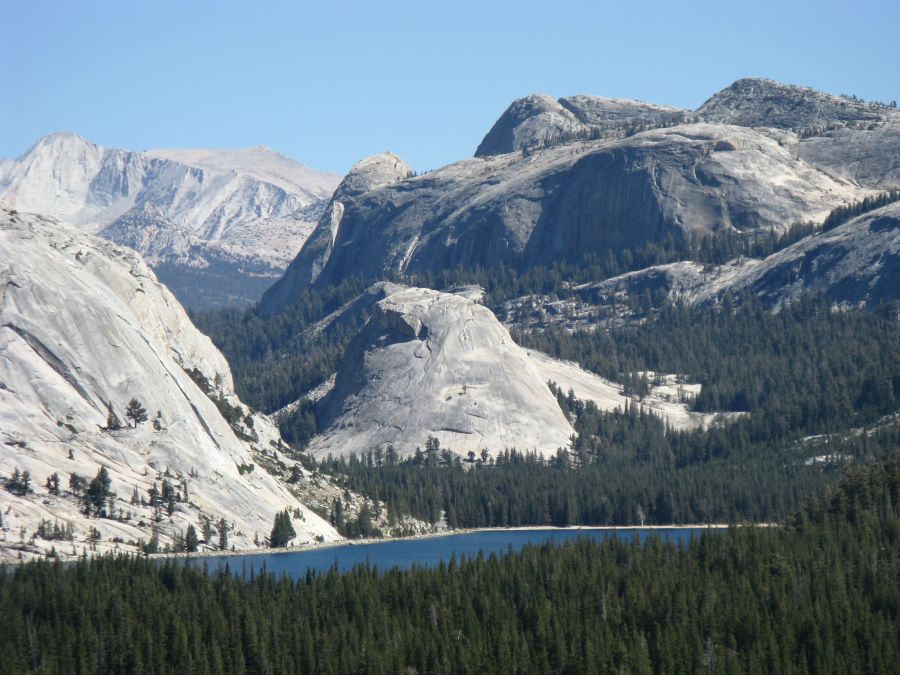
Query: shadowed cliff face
x=368, y=175
x=569, y=200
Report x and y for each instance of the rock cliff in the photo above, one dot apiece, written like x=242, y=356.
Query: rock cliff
x=84, y=328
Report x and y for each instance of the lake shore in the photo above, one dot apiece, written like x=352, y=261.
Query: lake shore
x=316, y=546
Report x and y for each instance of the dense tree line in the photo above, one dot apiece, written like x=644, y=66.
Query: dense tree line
x=625, y=468
x=842, y=214
x=817, y=595
x=805, y=369
x=273, y=358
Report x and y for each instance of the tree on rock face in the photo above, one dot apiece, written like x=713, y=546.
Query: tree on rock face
x=223, y=534
x=98, y=492
x=282, y=531
x=113, y=423
x=191, y=542
x=136, y=412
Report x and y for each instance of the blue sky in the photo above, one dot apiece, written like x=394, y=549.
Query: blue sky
x=329, y=83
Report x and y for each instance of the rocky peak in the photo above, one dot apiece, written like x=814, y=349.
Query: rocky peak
x=437, y=364
x=369, y=174
x=758, y=102
x=601, y=111
x=60, y=140
x=539, y=120
x=373, y=172
x=529, y=121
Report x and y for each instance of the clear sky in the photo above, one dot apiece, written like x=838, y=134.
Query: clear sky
x=330, y=82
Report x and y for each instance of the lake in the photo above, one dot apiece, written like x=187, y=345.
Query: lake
x=427, y=551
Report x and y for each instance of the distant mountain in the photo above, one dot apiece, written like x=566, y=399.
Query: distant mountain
x=217, y=225
x=588, y=175
x=757, y=102
x=538, y=120
x=84, y=328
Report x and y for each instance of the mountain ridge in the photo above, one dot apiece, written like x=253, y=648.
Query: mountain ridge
x=683, y=177
x=194, y=215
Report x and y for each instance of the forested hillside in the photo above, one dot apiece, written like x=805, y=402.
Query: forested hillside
x=818, y=594
x=804, y=371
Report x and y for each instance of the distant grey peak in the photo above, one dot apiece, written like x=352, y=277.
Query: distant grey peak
x=529, y=121
x=602, y=111
x=369, y=174
x=757, y=102
x=188, y=209
x=373, y=172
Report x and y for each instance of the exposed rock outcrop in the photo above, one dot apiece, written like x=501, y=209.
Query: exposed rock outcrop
x=534, y=120
x=569, y=200
x=539, y=120
x=369, y=174
x=731, y=171
x=856, y=264
x=757, y=102
x=432, y=364
x=436, y=364
x=85, y=325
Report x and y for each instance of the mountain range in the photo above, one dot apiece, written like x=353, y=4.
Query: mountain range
x=766, y=190
x=218, y=226
x=584, y=176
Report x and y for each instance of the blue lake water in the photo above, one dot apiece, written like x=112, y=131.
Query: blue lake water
x=404, y=553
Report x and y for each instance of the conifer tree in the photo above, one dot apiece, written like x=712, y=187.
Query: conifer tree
x=282, y=530
x=98, y=492
x=136, y=412
x=113, y=423
x=191, y=543
x=223, y=534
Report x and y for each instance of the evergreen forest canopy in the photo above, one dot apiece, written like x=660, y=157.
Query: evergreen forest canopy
x=818, y=594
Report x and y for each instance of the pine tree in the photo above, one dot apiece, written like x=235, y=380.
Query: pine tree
x=113, y=423
x=207, y=529
x=223, y=534
x=282, y=530
x=191, y=543
x=98, y=492
x=136, y=412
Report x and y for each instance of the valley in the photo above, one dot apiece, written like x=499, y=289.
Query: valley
x=616, y=315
